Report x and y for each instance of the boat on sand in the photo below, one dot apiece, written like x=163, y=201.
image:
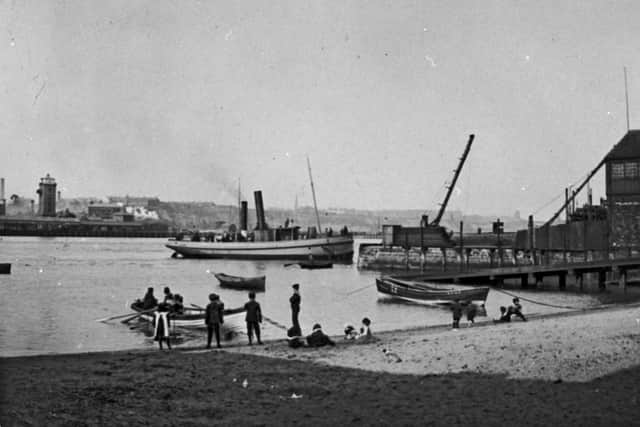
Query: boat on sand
x=243, y=283
x=421, y=293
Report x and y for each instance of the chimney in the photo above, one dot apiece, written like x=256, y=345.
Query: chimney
x=257, y=195
x=59, y=195
x=243, y=215
x=1, y=189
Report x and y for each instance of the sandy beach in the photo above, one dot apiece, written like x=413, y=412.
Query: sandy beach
x=580, y=368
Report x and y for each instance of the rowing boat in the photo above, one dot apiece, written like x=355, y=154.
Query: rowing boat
x=194, y=317
x=425, y=294
x=243, y=283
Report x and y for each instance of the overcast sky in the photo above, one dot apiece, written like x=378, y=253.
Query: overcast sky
x=180, y=99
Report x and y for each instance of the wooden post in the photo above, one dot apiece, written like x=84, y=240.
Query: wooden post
x=562, y=281
x=531, y=236
x=623, y=279
x=461, y=246
x=602, y=278
x=444, y=258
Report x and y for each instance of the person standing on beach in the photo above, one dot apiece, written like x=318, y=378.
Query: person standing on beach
x=472, y=311
x=253, y=318
x=214, y=317
x=295, y=305
x=161, y=324
x=456, y=308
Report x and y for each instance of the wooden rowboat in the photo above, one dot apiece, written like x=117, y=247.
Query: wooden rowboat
x=425, y=294
x=194, y=317
x=5, y=268
x=243, y=283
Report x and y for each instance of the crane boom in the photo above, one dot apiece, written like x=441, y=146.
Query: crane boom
x=453, y=183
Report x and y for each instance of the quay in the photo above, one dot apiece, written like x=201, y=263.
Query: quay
x=536, y=273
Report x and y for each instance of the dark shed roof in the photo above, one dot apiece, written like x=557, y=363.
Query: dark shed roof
x=627, y=148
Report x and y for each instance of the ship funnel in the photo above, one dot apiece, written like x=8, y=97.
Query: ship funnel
x=257, y=195
x=1, y=188
x=243, y=215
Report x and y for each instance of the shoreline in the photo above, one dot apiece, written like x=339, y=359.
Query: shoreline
x=480, y=375
x=485, y=322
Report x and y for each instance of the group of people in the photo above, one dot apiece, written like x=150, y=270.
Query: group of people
x=513, y=310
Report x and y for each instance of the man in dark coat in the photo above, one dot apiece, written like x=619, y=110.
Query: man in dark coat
x=214, y=317
x=295, y=305
x=318, y=338
x=149, y=301
x=253, y=318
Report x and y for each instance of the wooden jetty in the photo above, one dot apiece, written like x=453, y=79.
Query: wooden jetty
x=536, y=273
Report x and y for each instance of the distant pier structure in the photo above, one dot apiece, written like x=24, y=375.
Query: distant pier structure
x=47, y=196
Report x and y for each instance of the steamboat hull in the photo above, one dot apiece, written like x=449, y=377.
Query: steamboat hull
x=330, y=248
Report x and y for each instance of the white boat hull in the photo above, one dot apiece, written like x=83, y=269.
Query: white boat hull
x=328, y=248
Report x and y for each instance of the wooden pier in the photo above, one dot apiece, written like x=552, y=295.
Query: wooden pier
x=536, y=273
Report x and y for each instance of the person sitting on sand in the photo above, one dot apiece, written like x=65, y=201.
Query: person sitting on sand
x=516, y=309
x=161, y=325
x=149, y=301
x=472, y=311
x=350, y=332
x=505, y=316
x=365, y=330
x=294, y=337
x=318, y=338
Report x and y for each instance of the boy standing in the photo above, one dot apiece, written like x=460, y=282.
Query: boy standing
x=214, y=317
x=253, y=318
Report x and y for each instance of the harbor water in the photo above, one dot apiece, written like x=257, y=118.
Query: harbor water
x=60, y=286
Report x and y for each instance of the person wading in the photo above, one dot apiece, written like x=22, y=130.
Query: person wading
x=214, y=317
x=295, y=305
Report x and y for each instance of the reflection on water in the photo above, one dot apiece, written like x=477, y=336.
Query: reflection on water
x=59, y=286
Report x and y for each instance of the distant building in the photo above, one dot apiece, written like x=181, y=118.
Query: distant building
x=104, y=210
x=47, y=196
x=623, y=191
x=148, y=202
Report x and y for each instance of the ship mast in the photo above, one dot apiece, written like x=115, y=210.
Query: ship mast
x=313, y=191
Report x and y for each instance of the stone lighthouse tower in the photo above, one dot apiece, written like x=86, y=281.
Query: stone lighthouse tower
x=47, y=196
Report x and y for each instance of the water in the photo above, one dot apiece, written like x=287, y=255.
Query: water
x=59, y=286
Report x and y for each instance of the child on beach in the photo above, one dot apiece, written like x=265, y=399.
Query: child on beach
x=161, y=324
x=294, y=337
x=365, y=330
x=472, y=311
x=504, y=315
x=350, y=332
x=253, y=318
x=456, y=309
x=516, y=309
x=214, y=318
x=318, y=338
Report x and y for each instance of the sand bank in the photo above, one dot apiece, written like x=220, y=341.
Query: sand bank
x=575, y=346
x=478, y=376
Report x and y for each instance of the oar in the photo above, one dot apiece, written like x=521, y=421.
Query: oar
x=274, y=323
x=106, y=319
x=291, y=263
x=135, y=316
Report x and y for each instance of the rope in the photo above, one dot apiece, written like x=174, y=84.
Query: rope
x=274, y=323
x=357, y=290
x=536, y=302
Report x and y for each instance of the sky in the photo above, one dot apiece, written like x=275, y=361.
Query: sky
x=182, y=100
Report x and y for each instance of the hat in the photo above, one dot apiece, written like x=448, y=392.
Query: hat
x=296, y=286
x=252, y=294
x=317, y=326
x=213, y=297
x=166, y=289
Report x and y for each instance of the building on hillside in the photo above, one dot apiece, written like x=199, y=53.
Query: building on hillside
x=47, y=196
x=623, y=192
x=104, y=210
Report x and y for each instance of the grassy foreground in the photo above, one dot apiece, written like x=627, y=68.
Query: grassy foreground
x=206, y=388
